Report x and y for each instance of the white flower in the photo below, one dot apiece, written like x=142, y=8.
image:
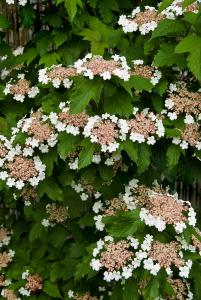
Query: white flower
x=25, y=274
x=45, y=223
x=84, y=197
x=71, y=294
x=95, y=264
x=97, y=206
x=189, y=119
x=18, y=51
x=172, y=115
x=169, y=103
x=24, y=292
x=184, y=145
x=106, y=75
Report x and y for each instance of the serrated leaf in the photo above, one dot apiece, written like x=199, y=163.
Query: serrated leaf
x=35, y=232
x=152, y=290
x=66, y=144
x=51, y=290
x=167, y=57
x=120, y=103
x=189, y=44
x=144, y=157
x=83, y=269
x=27, y=15
x=164, y=4
x=173, y=155
x=86, y=155
x=49, y=59
x=194, y=63
x=50, y=187
x=4, y=23
x=131, y=149
x=84, y=91
x=60, y=37
x=71, y=7
x=186, y=3
x=166, y=27
x=131, y=290
x=124, y=224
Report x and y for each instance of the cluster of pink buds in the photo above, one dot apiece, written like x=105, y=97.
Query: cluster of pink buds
x=21, y=88
x=40, y=134
x=33, y=284
x=158, y=208
x=57, y=75
x=63, y=121
x=181, y=101
x=149, y=72
x=93, y=65
x=190, y=136
x=55, y=215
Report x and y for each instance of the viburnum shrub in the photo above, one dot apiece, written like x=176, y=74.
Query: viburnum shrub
x=100, y=116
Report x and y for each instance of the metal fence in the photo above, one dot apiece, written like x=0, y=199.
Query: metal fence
x=19, y=36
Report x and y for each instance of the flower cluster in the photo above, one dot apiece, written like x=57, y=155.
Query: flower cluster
x=57, y=75
x=108, y=208
x=143, y=20
x=149, y=72
x=93, y=65
x=33, y=284
x=166, y=255
x=5, y=236
x=158, y=208
x=190, y=136
x=63, y=121
x=9, y=294
x=85, y=190
x=144, y=127
x=21, y=89
x=40, y=133
x=85, y=296
x=55, y=215
x=104, y=131
x=146, y=20
x=20, y=2
x=181, y=101
x=117, y=259
x=175, y=9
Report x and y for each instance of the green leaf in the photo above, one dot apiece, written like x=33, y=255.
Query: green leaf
x=4, y=23
x=173, y=155
x=67, y=143
x=51, y=290
x=60, y=37
x=84, y=91
x=58, y=236
x=186, y=3
x=106, y=7
x=189, y=44
x=27, y=15
x=50, y=187
x=152, y=290
x=71, y=7
x=167, y=57
x=131, y=149
x=144, y=157
x=194, y=63
x=49, y=59
x=83, y=269
x=119, y=103
x=138, y=83
x=164, y=4
x=49, y=159
x=166, y=27
x=35, y=232
x=131, y=290
x=124, y=223
x=86, y=155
